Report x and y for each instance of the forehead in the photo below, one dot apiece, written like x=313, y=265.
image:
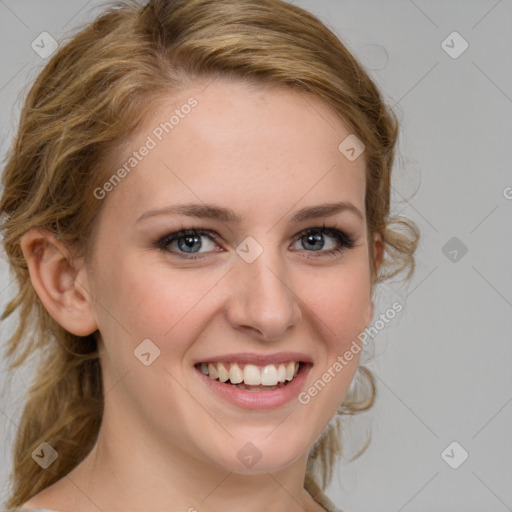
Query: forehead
x=241, y=143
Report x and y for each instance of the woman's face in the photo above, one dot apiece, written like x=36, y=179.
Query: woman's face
x=262, y=291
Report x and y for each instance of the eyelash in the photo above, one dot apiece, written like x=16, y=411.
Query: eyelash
x=344, y=240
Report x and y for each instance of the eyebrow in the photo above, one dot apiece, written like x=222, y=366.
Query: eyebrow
x=211, y=211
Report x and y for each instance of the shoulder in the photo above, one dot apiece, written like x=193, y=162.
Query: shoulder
x=326, y=503
x=321, y=498
x=35, y=510
x=32, y=506
x=58, y=497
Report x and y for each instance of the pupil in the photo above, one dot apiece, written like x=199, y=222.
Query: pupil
x=316, y=238
x=189, y=242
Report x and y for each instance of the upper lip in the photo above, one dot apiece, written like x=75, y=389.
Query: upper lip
x=257, y=359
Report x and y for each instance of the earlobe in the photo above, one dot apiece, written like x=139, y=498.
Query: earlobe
x=59, y=281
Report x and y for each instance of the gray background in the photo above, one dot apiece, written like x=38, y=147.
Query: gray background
x=443, y=364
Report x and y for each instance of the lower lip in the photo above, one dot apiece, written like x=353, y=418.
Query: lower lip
x=258, y=399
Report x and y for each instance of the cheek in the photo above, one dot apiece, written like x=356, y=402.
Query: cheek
x=340, y=308
x=140, y=300
x=341, y=301
x=148, y=301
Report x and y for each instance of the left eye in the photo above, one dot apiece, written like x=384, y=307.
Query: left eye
x=315, y=238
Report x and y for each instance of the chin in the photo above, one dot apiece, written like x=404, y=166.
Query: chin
x=265, y=454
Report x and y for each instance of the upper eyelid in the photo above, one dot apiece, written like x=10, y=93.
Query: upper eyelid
x=175, y=235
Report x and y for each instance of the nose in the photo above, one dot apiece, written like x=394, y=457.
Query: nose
x=261, y=298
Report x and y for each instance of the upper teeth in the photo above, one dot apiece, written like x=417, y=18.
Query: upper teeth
x=251, y=374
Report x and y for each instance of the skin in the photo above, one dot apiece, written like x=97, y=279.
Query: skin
x=166, y=440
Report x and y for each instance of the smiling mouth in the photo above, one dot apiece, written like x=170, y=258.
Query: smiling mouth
x=251, y=377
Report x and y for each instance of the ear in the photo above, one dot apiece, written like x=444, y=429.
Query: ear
x=60, y=281
x=378, y=255
x=378, y=252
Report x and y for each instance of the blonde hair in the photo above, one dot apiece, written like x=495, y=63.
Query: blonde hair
x=92, y=94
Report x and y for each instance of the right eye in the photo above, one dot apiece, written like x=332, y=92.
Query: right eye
x=186, y=243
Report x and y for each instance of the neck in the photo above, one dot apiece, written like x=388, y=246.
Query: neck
x=120, y=474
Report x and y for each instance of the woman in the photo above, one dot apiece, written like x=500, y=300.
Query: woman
x=196, y=208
